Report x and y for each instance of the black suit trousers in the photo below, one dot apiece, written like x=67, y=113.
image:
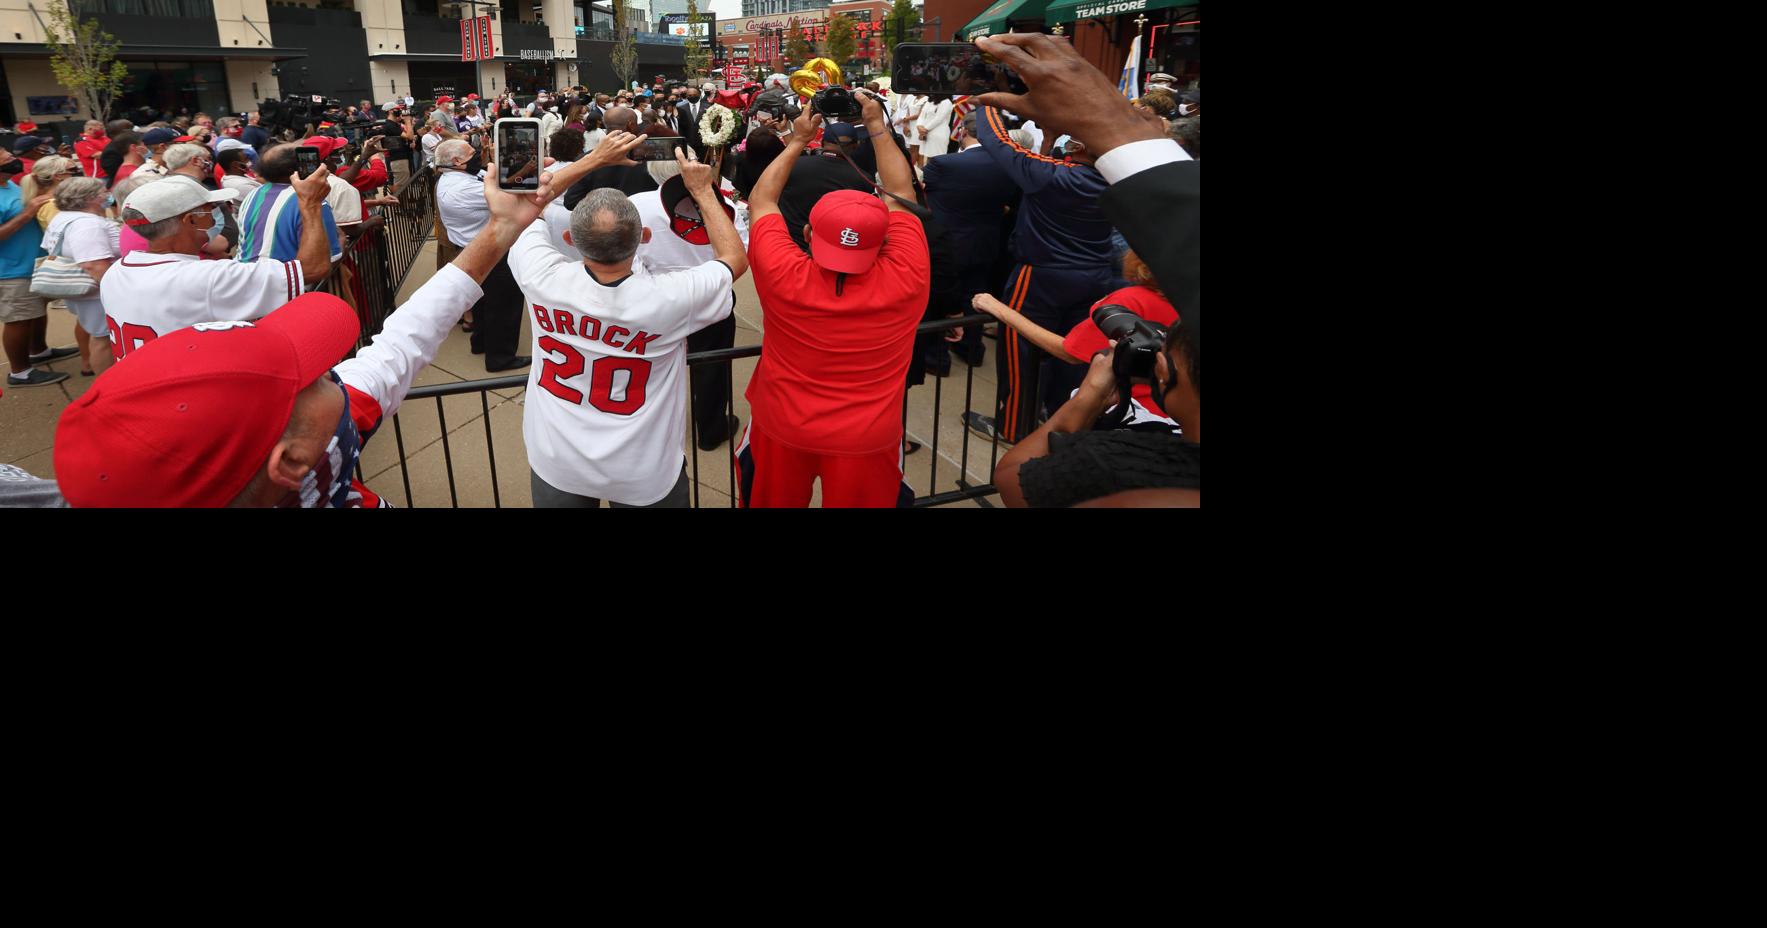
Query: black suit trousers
x=497, y=316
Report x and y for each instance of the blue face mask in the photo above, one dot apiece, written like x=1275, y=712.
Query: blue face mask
x=328, y=485
x=220, y=219
x=110, y=201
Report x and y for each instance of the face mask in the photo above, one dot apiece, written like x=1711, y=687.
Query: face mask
x=1185, y=109
x=214, y=230
x=474, y=166
x=110, y=201
x=327, y=485
x=12, y=167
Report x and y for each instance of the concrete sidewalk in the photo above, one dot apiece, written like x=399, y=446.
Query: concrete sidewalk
x=28, y=417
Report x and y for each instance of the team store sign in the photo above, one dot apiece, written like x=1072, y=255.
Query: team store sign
x=1110, y=9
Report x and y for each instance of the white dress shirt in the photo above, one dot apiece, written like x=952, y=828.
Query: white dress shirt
x=460, y=198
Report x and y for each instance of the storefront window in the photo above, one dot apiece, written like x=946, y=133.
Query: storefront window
x=174, y=88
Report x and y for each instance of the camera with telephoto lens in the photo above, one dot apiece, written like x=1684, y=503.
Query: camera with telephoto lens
x=1138, y=341
x=836, y=104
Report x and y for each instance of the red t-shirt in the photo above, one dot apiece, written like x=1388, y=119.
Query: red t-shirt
x=124, y=171
x=833, y=368
x=1086, y=340
x=372, y=175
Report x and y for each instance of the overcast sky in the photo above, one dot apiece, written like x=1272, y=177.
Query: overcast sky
x=727, y=9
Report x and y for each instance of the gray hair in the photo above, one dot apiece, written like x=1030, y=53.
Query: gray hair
x=150, y=230
x=661, y=171
x=1189, y=134
x=226, y=122
x=447, y=151
x=1023, y=138
x=606, y=227
x=131, y=184
x=76, y=193
x=182, y=154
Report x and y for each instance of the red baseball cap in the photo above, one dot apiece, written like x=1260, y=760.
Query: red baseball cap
x=188, y=419
x=442, y=100
x=325, y=143
x=846, y=230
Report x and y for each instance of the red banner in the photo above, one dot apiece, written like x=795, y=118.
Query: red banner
x=467, y=52
x=488, y=48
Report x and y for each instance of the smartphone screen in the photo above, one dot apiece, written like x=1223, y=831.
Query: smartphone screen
x=950, y=68
x=518, y=155
x=662, y=149
x=306, y=161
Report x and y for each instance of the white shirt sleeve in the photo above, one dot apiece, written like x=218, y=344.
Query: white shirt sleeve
x=1126, y=161
x=703, y=292
x=242, y=291
x=410, y=339
x=533, y=254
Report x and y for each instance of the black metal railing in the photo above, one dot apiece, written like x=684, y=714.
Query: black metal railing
x=372, y=270
x=961, y=490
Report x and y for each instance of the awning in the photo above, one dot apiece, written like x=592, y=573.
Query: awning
x=1068, y=11
x=993, y=20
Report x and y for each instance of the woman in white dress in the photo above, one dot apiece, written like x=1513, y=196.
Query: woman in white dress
x=910, y=114
x=934, y=129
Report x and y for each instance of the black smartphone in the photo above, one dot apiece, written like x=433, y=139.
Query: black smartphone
x=662, y=149
x=519, y=155
x=306, y=161
x=950, y=68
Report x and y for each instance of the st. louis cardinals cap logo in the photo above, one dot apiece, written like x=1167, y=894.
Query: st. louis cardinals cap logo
x=849, y=238
x=222, y=326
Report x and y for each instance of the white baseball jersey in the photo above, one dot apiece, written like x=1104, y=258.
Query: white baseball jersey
x=147, y=295
x=606, y=408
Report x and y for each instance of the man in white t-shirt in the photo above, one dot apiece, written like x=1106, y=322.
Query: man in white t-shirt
x=604, y=417
x=676, y=238
x=168, y=287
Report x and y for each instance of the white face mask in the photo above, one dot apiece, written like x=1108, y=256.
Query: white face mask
x=1185, y=109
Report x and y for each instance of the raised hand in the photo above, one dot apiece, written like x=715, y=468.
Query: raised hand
x=1065, y=93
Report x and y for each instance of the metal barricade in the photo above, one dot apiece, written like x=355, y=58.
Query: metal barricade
x=375, y=266
x=961, y=488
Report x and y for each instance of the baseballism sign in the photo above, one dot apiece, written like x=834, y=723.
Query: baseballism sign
x=530, y=54
x=1110, y=9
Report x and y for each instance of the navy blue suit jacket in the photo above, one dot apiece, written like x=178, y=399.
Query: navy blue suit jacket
x=969, y=194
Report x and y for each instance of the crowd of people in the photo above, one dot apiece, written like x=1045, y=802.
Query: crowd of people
x=223, y=382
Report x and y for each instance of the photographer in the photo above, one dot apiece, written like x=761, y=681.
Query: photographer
x=826, y=170
x=826, y=399
x=1066, y=463
x=1084, y=340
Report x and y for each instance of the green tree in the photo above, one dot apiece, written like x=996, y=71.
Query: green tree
x=623, y=57
x=83, y=58
x=898, y=27
x=797, y=48
x=695, y=57
x=841, y=43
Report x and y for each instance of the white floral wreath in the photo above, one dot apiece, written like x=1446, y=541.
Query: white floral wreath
x=718, y=127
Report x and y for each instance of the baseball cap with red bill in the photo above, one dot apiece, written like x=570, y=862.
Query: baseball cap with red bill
x=442, y=100
x=327, y=144
x=846, y=231
x=188, y=419
x=685, y=219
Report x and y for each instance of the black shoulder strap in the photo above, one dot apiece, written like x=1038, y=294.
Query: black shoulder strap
x=874, y=185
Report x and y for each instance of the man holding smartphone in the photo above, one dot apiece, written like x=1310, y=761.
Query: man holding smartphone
x=604, y=417
x=461, y=204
